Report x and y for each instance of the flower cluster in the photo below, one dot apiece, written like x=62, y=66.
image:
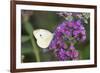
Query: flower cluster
x=67, y=54
x=71, y=31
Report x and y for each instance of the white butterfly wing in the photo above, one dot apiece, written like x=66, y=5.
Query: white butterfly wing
x=43, y=37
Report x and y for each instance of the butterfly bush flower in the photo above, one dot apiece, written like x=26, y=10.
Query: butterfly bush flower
x=72, y=30
x=61, y=54
x=57, y=42
x=72, y=53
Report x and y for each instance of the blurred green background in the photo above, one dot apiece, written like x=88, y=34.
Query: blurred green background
x=31, y=20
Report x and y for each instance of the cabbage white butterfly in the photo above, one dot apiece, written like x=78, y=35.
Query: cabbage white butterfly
x=43, y=37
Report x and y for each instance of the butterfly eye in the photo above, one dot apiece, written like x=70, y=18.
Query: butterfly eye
x=40, y=35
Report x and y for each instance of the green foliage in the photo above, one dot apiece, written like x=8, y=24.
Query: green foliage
x=85, y=52
x=24, y=39
x=28, y=28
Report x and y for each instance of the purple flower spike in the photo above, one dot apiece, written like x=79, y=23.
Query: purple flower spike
x=57, y=43
x=70, y=24
x=58, y=34
x=70, y=31
x=78, y=23
x=61, y=54
x=71, y=47
x=72, y=53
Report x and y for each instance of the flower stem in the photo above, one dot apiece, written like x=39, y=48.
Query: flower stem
x=29, y=29
x=35, y=50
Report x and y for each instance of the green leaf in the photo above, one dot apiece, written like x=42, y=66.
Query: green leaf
x=85, y=21
x=69, y=18
x=28, y=28
x=24, y=38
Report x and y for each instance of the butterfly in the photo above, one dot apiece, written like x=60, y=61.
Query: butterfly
x=43, y=37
